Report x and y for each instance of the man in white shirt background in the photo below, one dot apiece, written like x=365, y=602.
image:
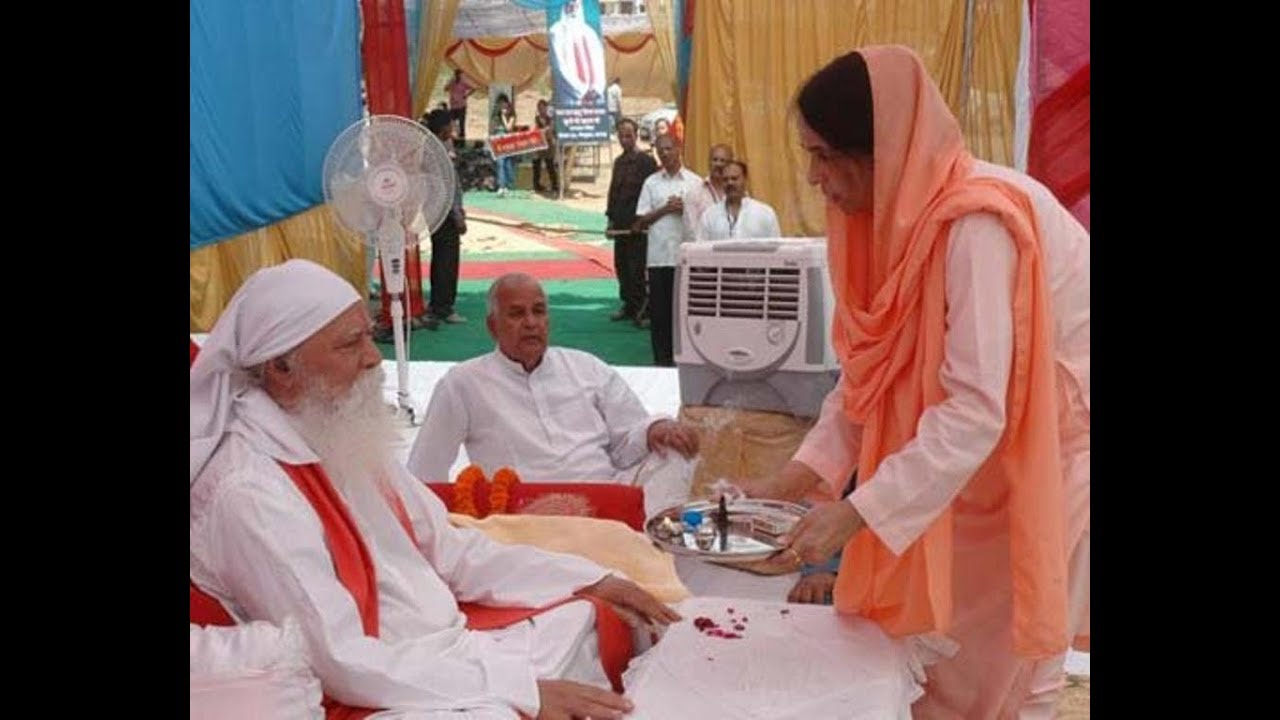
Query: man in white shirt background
x=660, y=210
x=613, y=101
x=551, y=414
x=708, y=192
x=738, y=216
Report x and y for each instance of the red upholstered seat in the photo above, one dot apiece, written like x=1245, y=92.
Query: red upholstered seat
x=614, y=502
x=608, y=501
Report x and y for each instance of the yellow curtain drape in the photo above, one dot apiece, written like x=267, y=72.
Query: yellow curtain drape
x=435, y=32
x=988, y=119
x=521, y=66
x=750, y=57
x=662, y=15
x=218, y=270
x=526, y=64
x=643, y=72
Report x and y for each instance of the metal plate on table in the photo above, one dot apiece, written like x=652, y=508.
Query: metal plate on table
x=753, y=529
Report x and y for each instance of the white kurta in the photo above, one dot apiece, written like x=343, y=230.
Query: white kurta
x=914, y=485
x=258, y=546
x=572, y=419
x=669, y=231
x=696, y=202
x=755, y=220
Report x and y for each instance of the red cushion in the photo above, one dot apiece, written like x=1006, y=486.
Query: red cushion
x=207, y=611
x=608, y=501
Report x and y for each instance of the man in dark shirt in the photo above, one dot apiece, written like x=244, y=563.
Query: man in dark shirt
x=629, y=248
x=546, y=157
x=446, y=241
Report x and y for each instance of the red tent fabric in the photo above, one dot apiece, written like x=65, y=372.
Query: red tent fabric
x=1058, y=147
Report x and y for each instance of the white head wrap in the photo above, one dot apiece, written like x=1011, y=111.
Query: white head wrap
x=275, y=310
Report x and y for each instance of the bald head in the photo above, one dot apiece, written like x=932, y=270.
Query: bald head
x=721, y=154
x=510, y=280
x=518, y=318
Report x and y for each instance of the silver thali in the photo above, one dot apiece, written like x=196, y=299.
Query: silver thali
x=753, y=527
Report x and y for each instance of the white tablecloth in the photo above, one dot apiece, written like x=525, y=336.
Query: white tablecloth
x=792, y=661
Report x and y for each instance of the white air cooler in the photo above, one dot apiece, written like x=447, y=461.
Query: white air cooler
x=752, y=325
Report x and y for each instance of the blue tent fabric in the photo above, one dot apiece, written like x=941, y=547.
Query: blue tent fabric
x=272, y=85
x=684, y=55
x=412, y=21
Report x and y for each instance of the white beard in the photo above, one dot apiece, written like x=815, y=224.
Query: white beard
x=353, y=434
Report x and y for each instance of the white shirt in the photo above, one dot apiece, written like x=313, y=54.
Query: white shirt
x=955, y=437
x=755, y=220
x=670, y=230
x=258, y=546
x=572, y=419
x=613, y=98
x=696, y=202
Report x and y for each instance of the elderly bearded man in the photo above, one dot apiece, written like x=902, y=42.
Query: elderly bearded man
x=298, y=510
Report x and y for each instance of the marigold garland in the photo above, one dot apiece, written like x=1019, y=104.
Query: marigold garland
x=464, y=490
x=503, y=485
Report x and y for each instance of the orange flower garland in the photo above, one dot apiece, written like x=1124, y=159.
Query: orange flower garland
x=504, y=483
x=464, y=490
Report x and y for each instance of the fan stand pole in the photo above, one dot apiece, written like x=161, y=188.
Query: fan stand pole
x=402, y=364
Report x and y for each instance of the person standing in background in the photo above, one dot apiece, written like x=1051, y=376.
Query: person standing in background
x=630, y=170
x=613, y=100
x=545, y=157
x=661, y=213
x=459, y=89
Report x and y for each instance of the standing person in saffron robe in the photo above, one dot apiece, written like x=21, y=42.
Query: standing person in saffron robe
x=962, y=328
x=298, y=510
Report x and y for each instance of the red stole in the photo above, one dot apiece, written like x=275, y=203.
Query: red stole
x=355, y=571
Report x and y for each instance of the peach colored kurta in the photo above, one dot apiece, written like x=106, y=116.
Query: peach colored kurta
x=930, y=473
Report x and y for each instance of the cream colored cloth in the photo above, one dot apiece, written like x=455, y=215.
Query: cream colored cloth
x=744, y=444
x=605, y=542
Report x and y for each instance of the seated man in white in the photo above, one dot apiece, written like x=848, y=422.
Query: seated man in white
x=551, y=414
x=738, y=216
x=297, y=510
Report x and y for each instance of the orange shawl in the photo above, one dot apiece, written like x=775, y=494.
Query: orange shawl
x=888, y=272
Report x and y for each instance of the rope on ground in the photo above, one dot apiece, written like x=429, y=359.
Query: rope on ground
x=547, y=229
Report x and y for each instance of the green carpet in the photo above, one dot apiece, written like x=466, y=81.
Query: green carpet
x=467, y=254
x=580, y=308
x=538, y=210
x=580, y=312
